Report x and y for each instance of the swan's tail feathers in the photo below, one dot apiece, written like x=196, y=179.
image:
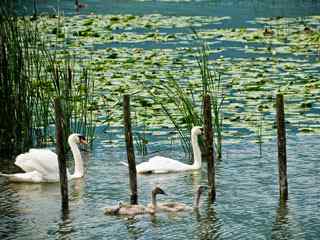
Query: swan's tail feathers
x=10, y=177
x=124, y=163
x=31, y=177
x=4, y=175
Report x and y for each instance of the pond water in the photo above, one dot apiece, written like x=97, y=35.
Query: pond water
x=246, y=207
x=241, y=11
x=247, y=204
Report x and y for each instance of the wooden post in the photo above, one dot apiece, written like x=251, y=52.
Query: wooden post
x=61, y=155
x=209, y=146
x=282, y=154
x=130, y=150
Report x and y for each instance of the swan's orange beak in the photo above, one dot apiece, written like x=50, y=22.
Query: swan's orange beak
x=82, y=140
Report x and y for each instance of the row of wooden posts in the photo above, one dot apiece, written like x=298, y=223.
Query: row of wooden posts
x=208, y=134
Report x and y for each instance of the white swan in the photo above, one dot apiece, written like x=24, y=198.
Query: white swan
x=159, y=164
x=41, y=165
x=177, y=206
x=134, y=209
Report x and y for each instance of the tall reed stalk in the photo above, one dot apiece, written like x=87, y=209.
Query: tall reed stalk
x=212, y=85
x=182, y=104
x=31, y=76
x=20, y=88
x=76, y=90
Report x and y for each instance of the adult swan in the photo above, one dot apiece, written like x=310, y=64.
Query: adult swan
x=41, y=165
x=159, y=164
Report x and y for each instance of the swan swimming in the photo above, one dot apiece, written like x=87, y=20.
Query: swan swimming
x=176, y=206
x=134, y=209
x=159, y=164
x=41, y=165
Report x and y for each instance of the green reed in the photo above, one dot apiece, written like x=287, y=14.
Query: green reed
x=181, y=102
x=180, y=106
x=212, y=85
x=31, y=76
x=76, y=89
x=19, y=88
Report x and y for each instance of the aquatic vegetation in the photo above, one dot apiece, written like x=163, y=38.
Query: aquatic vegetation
x=23, y=91
x=31, y=76
x=212, y=85
x=76, y=90
x=125, y=53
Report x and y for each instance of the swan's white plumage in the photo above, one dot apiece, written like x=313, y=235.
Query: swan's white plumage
x=159, y=164
x=43, y=161
x=28, y=177
x=41, y=165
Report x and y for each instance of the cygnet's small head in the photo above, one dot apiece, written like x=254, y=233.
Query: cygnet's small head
x=158, y=190
x=197, y=131
x=77, y=138
x=201, y=189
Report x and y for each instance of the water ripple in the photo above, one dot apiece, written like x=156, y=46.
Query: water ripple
x=247, y=200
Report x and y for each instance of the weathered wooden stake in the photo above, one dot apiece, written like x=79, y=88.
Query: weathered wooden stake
x=130, y=150
x=209, y=146
x=282, y=153
x=61, y=155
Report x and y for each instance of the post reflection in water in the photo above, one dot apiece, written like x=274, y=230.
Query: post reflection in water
x=280, y=228
x=65, y=227
x=134, y=232
x=209, y=225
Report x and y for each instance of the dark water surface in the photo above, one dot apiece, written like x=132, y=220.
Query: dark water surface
x=239, y=10
x=247, y=204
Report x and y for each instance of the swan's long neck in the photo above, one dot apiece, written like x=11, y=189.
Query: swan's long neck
x=196, y=152
x=196, y=202
x=78, y=163
x=154, y=200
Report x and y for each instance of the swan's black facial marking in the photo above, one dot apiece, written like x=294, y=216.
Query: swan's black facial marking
x=202, y=188
x=202, y=131
x=162, y=192
x=82, y=139
x=158, y=190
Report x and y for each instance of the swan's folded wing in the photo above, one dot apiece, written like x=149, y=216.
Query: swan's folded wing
x=174, y=206
x=153, y=167
x=42, y=160
x=159, y=164
x=145, y=167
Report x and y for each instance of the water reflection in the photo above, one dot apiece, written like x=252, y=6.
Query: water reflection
x=33, y=211
x=28, y=208
x=134, y=231
x=35, y=192
x=209, y=225
x=31, y=208
x=65, y=227
x=154, y=220
x=280, y=228
x=77, y=189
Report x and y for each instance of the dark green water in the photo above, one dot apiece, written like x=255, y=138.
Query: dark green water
x=247, y=195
